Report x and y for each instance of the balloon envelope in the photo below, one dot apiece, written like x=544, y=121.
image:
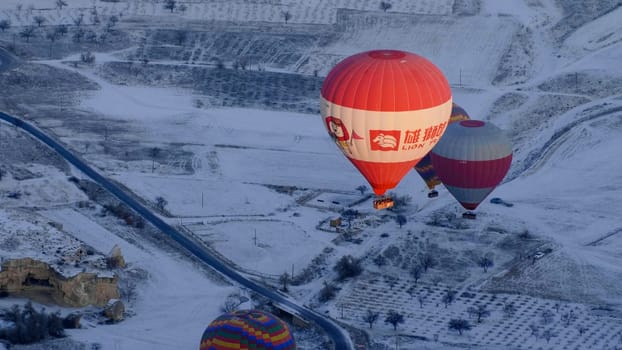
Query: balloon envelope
x=247, y=329
x=424, y=168
x=385, y=109
x=471, y=160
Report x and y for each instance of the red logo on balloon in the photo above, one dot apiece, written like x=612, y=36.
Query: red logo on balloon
x=384, y=140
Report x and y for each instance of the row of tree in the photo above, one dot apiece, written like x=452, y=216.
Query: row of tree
x=395, y=318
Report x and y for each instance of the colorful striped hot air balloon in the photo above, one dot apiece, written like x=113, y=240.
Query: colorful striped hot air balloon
x=424, y=168
x=471, y=160
x=246, y=330
x=385, y=110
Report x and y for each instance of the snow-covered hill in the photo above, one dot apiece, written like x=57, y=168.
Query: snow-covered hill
x=242, y=159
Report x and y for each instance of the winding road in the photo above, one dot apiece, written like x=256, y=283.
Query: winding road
x=340, y=338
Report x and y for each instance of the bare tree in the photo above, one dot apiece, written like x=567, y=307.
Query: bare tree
x=90, y=36
x=113, y=19
x=349, y=215
x=362, y=189
x=480, y=311
x=5, y=24
x=421, y=299
x=485, y=263
x=27, y=33
x=181, y=36
x=127, y=289
x=39, y=20
x=348, y=266
x=95, y=16
x=182, y=8
x=547, y=316
x=509, y=309
x=170, y=5
x=401, y=220
x=582, y=329
x=556, y=307
x=436, y=279
x=51, y=35
x=78, y=35
x=448, y=297
x=459, y=324
x=161, y=203
x=154, y=152
x=79, y=20
x=371, y=317
x=391, y=281
x=524, y=235
x=61, y=30
x=548, y=334
x=286, y=16
x=112, y=22
x=284, y=279
x=399, y=202
x=568, y=317
x=394, y=318
x=535, y=330
x=327, y=292
x=87, y=57
x=416, y=273
x=427, y=261
x=230, y=305
x=385, y=5
x=380, y=260
x=60, y=4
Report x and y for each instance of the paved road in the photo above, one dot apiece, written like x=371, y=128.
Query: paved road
x=340, y=339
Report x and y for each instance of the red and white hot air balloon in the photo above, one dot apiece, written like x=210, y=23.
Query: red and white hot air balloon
x=385, y=110
x=471, y=159
x=424, y=168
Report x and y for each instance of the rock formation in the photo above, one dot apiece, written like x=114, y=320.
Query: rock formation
x=115, y=258
x=115, y=310
x=39, y=281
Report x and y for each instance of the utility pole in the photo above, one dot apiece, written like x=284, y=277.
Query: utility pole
x=460, y=77
x=201, y=199
x=576, y=81
x=255, y=237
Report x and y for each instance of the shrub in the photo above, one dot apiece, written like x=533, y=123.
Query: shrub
x=348, y=266
x=327, y=292
x=87, y=57
x=31, y=326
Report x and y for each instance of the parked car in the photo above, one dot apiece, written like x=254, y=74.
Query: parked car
x=497, y=200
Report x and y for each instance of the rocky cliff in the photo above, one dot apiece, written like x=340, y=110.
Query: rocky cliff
x=38, y=280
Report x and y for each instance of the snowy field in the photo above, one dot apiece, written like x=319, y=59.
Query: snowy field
x=259, y=186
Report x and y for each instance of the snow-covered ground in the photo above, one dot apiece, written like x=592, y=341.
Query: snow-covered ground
x=564, y=183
